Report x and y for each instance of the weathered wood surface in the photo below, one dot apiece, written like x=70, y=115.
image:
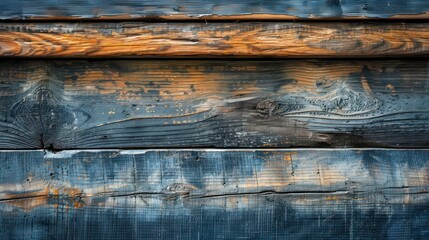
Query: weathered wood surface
x=205, y=103
x=247, y=39
x=219, y=9
x=215, y=194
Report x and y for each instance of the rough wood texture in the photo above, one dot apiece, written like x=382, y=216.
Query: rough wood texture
x=215, y=194
x=186, y=9
x=159, y=103
x=269, y=39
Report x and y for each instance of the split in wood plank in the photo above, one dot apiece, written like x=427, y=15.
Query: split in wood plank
x=247, y=39
x=213, y=9
x=296, y=193
x=186, y=103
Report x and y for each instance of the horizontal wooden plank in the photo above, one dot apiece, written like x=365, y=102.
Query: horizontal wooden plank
x=273, y=221
x=166, y=103
x=220, y=9
x=247, y=39
x=215, y=194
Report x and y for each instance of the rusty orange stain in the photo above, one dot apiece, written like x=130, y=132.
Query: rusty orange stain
x=332, y=198
x=78, y=204
x=288, y=156
x=391, y=87
x=54, y=192
x=30, y=200
x=365, y=84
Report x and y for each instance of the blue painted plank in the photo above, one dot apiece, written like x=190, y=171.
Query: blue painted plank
x=215, y=194
x=21, y=9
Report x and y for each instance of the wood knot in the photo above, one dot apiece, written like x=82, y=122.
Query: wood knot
x=339, y=98
x=180, y=188
x=269, y=105
x=266, y=108
x=272, y=108
x=43, y=94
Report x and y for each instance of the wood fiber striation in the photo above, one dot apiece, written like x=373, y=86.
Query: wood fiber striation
x=313, y=193
x=135, y=104
x=214, y=9
x=214, y=39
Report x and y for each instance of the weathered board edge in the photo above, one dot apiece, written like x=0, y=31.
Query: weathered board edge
x=197, y=9
x=214, y=17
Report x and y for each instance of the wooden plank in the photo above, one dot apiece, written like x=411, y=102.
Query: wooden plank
x=218, y=9
x=247, y=39
x=206, y=103
x=215, y=194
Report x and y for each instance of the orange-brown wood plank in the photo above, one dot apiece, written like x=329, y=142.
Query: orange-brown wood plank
x=269, y=39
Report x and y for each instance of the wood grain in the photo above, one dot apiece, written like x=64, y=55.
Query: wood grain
x=215, y=194
x=247, y=39
x=220, y=9
x=157, y=103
